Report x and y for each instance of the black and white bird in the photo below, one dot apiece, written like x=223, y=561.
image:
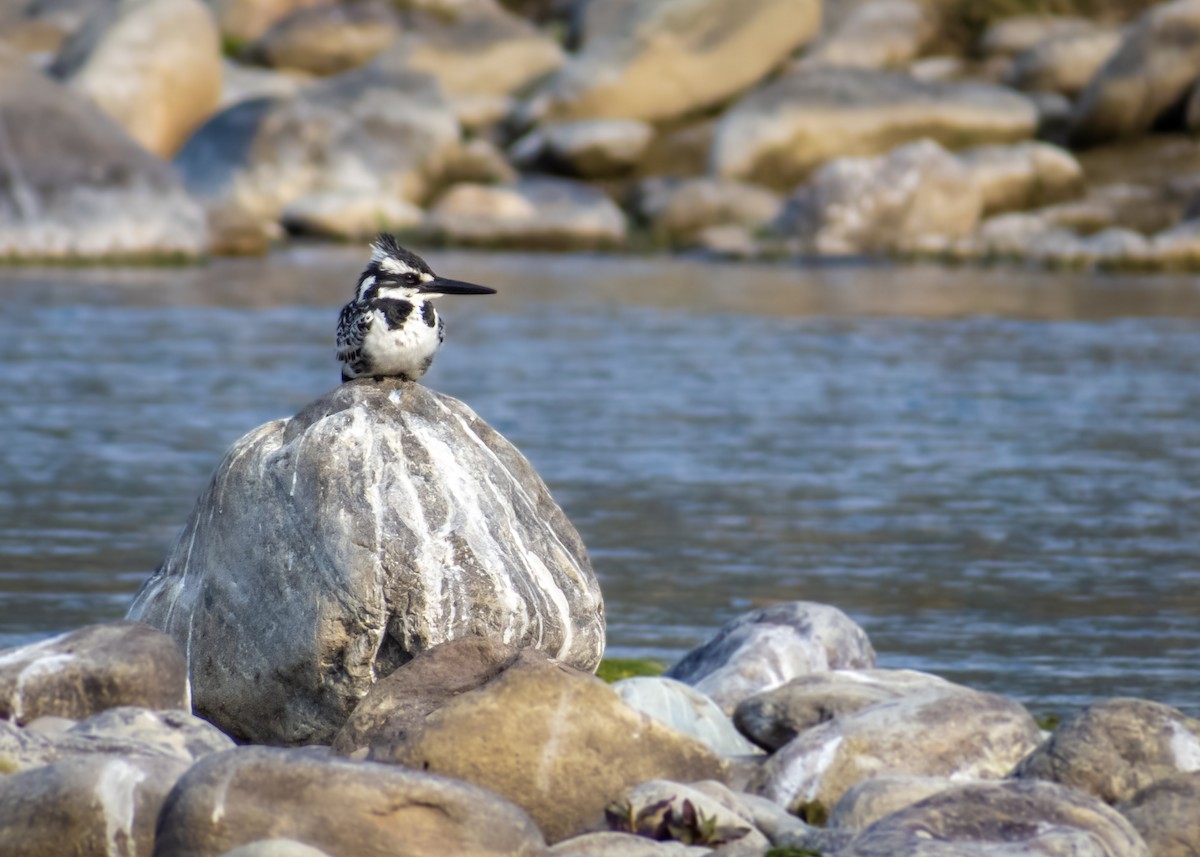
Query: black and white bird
x=391, y=329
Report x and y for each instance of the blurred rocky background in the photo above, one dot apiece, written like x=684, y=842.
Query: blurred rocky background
x=1055, y=131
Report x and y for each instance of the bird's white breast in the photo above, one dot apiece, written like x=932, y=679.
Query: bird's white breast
x=403, y=350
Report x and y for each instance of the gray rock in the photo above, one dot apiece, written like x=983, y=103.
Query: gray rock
x=1155, y=66
x=661, y=59
x=876, y=34
x=1115, y=748
x=864, y=804
x=560, y=744
x=275, y=848
x=245, y=83
x=98, y=805
x=780, y=133
x=74, y=186
x=658, y=806
x=1167, y=815
x=372, y=131
x=686, y=710
x=154, y=66
x=1011, y=36
x=540, y=213
x=252, y=793
x=92, y=669
x=678, y=210
x=774, y=717
x=1005, y=819
x=614, y=844
x=766, y=647
x=326, y=40
x=174, y=733
x=381, y=520
x=1064, y=64
x=916, y=198
x=243, y=21
x=945, y=733
x=350, y=215
x=1021, y=176
x=589, y=148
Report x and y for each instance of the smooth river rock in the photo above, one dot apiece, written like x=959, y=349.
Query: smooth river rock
x=1021, y=176
x=766, y=647
x=938, y=732
x=872, y=799
x=1167, y=815
x=677, y=210
x=589, y=148
x=332, y=547
x=1115, y=748
x=325, y=40
x=877, y=34
x=363, y=809
x=660, y=59
x=560, y=744
x=778, y=134
x=685, y=709
x=1064, y=64
x=87, y=671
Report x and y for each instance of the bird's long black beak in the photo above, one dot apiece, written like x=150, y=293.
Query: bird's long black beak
x=438, y=286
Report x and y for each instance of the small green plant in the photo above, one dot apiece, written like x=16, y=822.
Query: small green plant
x=813, y=812
x=792, y=851
x=662, y=821
x=615, y=669
x=1048, y=722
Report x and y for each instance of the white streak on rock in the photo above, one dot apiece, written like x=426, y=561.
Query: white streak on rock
x=16, y=656
x=43, y=666
x=1185, y=746
x=116, y=789
x=801, y=778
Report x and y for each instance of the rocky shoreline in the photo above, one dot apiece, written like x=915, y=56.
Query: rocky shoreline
x=176, y=129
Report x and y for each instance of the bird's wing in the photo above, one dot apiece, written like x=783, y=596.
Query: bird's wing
x=352, y=327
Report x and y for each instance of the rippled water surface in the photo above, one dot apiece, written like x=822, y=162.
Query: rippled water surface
x=996, y=473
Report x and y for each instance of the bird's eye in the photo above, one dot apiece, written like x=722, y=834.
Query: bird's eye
x=412, y=279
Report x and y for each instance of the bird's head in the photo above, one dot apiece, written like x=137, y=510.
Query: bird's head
x=395, y=272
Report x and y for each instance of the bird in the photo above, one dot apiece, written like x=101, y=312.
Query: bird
x=390, y=328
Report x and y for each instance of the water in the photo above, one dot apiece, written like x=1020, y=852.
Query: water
x=997, y=473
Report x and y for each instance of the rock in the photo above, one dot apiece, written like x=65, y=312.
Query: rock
x=1011, y=36
x=1155, y=66
x=400, y=701
x=483, y=50
x=325, y=40
x=654, y=60
x=766, y=647
x=916, y=198
x=1167, y=815
x=537, y=213
x=781, y=828
x=728, y=242
x=1115, y=748
x=563, y=746
x=372, y=131
x=780, y=133
x=590, y=148
x=234, y=232
x=90, y=670
x=275, y=848
x=477, y=161
x=661, y=809
x=1177, y=248
x=686, y=710
x=251, y=793
x=1001, y=820
x=679, y=152
x=774, y=717
x=156, y=69
x=876, y=34
x=74, y=186
x=243, y=83
x=613, y=844
x=1064, y=64
x=242, y=22
x=85, y=806
x=174, y=733
x=940, y=733
x=350, y=215
x=1025, y=175
x=381, y=520
x=678, y=210
x=872, y=799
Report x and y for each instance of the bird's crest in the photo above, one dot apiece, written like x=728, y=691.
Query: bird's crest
x=390, y=258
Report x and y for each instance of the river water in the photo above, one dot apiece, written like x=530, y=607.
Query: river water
x=995, y=472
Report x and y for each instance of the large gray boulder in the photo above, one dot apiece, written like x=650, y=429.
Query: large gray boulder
x=74, y=186
x=1148, y=75
x=781, y=132
x=332, y=547
x=661, y=59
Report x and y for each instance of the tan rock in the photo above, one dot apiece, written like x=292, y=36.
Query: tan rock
x=779, y=134
x=877, y=34
x=561, y=745
x=340, y=807
x=242, y=22
x=92, y=669
x=677, y=210
x=325, y=40
x=956, y=733
x=156, y=70
x=1115, y=748
x=872, y=799
x=1022, y=176
x=1011, y=36
x=1167, y=815
x=477, y=161
x=589, y=148
x=348, y=216
x=1064, y=64
x=652, y=60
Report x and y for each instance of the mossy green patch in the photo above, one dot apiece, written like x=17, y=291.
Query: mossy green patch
x=792, y=851
x=615, y=669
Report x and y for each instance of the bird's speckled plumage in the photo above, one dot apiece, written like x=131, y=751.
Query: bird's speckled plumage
x=391, y=328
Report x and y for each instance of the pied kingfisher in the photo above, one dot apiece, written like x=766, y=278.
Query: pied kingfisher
x=391, y=327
